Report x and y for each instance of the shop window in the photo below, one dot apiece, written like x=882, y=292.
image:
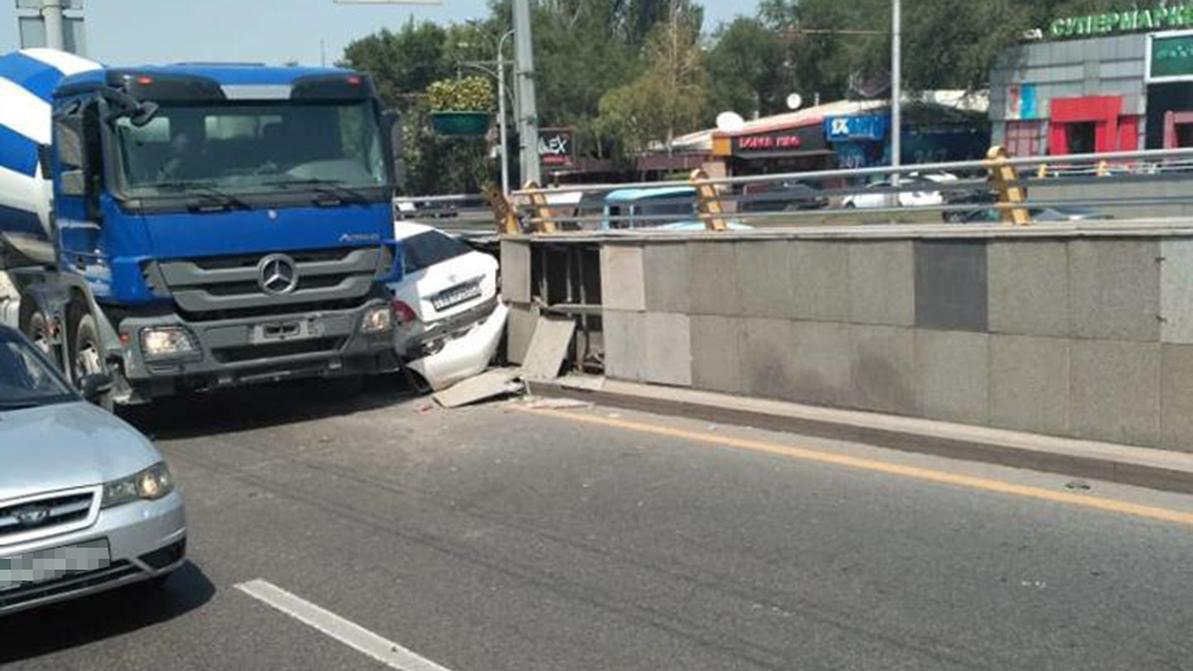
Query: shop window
x=1081, y=137
x=1023, y=138
x=1184, y=135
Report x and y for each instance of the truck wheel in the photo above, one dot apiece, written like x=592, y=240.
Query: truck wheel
x=88, y=356
x=37, y=329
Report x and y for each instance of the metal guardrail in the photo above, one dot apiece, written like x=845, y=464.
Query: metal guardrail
x=1048, y=187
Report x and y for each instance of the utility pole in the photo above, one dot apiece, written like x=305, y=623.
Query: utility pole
x=528, y=131
x=51, y=14
x=896, y=90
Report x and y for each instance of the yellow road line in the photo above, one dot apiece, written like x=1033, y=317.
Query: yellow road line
x=1085, y=501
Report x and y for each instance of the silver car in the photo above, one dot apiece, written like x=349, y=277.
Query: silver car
x=86, y=502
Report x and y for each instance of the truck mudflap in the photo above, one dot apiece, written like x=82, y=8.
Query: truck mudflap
x=249, y=350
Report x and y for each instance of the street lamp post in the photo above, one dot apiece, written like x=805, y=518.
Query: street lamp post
x=896, y=91
x=502, y=124
x=501, y=130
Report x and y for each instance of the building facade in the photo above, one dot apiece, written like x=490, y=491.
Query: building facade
x=1105, y=82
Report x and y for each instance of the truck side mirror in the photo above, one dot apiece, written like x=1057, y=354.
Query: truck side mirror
x=44, y=160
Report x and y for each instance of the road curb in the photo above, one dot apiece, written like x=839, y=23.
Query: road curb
x=1142, y=467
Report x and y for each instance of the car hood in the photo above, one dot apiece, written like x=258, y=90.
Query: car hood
x=67, y=445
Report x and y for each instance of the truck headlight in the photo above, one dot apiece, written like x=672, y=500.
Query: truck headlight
x=160, y=342
x=150, y=484
x=377, y=320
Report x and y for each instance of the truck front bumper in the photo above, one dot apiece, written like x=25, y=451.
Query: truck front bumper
x=273, y=348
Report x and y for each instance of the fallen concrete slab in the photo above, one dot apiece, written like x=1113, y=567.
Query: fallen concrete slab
x=1144, y=467
x=548, y=347
x=487, y=385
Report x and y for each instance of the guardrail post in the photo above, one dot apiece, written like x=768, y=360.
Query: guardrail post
x=503, y=212
x=543, y=223
x=708, y=204
x=1006, y=180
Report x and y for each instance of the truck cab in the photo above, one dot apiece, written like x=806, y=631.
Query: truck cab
x=216, y=225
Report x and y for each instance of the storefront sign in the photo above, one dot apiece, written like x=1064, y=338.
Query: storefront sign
x=1161, y=17
x=555, y=147
x=794, y=140
x=867, y=127
x=1170, y=57
x=757, y=142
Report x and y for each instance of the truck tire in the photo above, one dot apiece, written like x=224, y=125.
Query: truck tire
x=36, y=328
x=87, y=356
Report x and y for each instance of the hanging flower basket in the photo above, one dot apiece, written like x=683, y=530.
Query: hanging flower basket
x=460, y=123
x=461, y=106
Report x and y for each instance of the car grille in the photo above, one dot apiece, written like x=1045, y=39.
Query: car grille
x=56, y=512
x=227, y=286
x=114, y=572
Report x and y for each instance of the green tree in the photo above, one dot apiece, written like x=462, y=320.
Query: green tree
x=669, y=98
x=404, y=63
x=581, y=52
x=748, y=69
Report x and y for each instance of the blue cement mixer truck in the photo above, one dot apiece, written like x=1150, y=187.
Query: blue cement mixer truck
x=194, y=226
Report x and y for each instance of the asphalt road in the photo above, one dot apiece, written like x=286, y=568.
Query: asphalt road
x=494, y=538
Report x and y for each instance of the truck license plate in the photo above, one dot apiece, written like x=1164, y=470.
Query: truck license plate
x=296, y=329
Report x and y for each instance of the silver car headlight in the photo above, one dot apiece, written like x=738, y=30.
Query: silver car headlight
x=377, y=320
x=150, y=484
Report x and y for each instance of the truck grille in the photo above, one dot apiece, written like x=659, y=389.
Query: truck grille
x=226, y=286
x=273, y=350
x=44, y=517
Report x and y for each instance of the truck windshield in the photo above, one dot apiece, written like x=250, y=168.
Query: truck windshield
x=255, y=147
x=26, y=380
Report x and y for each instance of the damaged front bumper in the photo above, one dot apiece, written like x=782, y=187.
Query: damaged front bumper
x=455, y=348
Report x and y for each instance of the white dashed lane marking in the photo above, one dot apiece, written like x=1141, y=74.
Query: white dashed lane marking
x=345, y=631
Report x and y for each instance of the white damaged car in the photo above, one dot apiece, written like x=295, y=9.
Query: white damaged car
x=449, y=317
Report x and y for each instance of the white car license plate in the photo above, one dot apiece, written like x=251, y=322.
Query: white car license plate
x=456, y=295
x=46, y=565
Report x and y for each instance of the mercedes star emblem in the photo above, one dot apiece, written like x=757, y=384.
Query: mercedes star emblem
x=278, y=274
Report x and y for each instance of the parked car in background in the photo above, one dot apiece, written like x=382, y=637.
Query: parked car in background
x=87, y=503
x=415, y=208
x=670, y=208
x=781, y=196
x=450, y=319
x=915, y=190
x=992, y=215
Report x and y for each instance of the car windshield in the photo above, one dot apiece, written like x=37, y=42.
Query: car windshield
x=247, y=148
x=26, y=379
x=427, y=249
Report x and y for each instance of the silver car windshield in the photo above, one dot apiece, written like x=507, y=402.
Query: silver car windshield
x=246, y=148
x=25, y=377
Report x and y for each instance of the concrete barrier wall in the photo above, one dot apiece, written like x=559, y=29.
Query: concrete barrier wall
x=1077, y=335
x=1176, y=192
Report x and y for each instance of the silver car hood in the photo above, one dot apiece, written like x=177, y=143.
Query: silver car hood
x=55, y=447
